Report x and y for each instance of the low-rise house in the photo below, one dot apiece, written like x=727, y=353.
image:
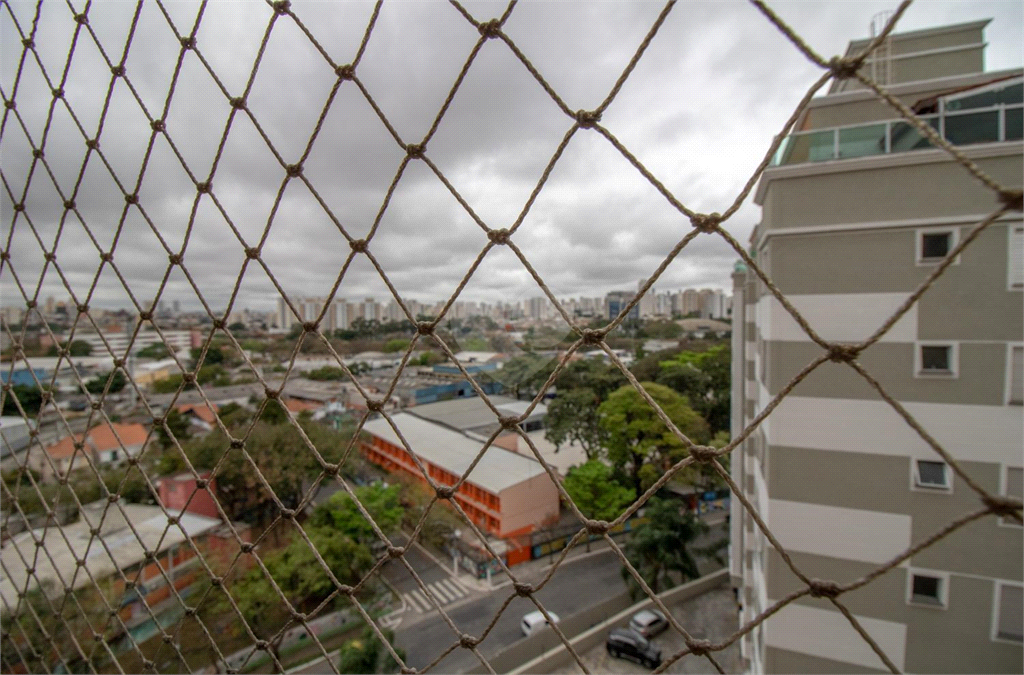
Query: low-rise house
x=148, y=372
x=200, y=415
x=14, y=440
x=106, y=444
x=154, y=554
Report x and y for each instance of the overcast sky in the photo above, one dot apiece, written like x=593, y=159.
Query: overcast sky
x=699, y=111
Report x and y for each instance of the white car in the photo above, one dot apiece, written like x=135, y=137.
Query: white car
x=648, y=623
x=534, y=621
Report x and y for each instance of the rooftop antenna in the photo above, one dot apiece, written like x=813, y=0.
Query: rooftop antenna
x=881, y=59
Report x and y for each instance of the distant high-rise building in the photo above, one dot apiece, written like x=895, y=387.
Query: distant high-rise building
x=616, y=301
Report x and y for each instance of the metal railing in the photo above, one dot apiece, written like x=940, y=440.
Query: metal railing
x=960, y=127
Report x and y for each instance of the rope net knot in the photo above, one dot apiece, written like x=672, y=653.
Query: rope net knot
x=490, y=29
x=844, y=68
x=587, y=119
x=824, y=589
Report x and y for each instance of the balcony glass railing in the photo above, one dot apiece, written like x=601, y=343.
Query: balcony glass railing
x=959, y=127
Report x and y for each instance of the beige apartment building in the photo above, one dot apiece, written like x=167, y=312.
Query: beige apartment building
x=857, y=210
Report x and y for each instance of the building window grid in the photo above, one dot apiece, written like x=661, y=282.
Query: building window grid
x=928, y=588
x=931, y=475
x=1007, y=611
x=936, y=359
x=933, y=244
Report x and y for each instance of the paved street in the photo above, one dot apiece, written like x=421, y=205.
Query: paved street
x=443, y=589
x=426, y=636
x=712, y=616
x=581, y=581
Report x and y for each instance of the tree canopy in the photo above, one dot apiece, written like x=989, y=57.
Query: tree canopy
x=340, y=513
x=595, y=491
x=284, y=460
x=705, y=378
x=639, y=443
x=662, y=547
x=99, y=383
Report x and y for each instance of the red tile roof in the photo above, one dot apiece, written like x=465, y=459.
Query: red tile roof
x=101, y=438
x=203, y=412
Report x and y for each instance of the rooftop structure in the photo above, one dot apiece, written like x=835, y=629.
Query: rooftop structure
x=106, y=444
x=154, y=529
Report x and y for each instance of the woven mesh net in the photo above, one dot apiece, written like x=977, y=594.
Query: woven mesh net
x=67, y=627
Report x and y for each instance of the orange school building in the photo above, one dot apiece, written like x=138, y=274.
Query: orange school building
x=507, y=494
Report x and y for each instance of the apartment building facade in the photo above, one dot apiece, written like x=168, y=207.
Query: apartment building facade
x=857, y=210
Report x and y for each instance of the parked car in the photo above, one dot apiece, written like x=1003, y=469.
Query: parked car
x=648, y=622
x=626, y=643
x=534, y=621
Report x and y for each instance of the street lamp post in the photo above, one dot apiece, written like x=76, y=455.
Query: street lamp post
x=456, y=535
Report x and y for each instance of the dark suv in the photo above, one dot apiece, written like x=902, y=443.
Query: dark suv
x=628, y=644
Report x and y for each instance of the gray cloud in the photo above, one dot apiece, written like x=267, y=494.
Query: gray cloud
x=700, y=111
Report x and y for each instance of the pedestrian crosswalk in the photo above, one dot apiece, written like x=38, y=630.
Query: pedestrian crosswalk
x=443, y=591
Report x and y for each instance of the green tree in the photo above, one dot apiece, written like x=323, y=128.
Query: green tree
x=660, y=550
x=274, y=413
x=593, y=374
x=639, y=443
x=525, y=373
x=79, y=348
x=170, y=384
x=595, y=491
x=29, y=396
x=232, y=415
x=705, y=379
x=214, y=355
x=662, y=329
x=573, y=418
x=395, y=345
x=366, y=654
x=99, y=383
x=300, y=577
x=284, y=461
x=340, y=513
x=179, y=426
x=157, y=350
x=327, y=373
x=428, y=359
x=702, y=475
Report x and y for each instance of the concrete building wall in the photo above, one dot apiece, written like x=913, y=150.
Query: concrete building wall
x=907, y=186
x=835, y=471
x=527, y=504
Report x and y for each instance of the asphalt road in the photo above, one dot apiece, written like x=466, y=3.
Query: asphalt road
x=426, y=636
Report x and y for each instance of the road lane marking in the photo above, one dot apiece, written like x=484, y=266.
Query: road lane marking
x=440, y=592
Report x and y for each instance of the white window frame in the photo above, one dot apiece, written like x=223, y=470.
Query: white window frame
x=1010, y=229
x=1004, y=471
x=917, y=486
x=943, y=578
x=954, y=360
x=1009, y=370
x=919, y=233
x=996, y=593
